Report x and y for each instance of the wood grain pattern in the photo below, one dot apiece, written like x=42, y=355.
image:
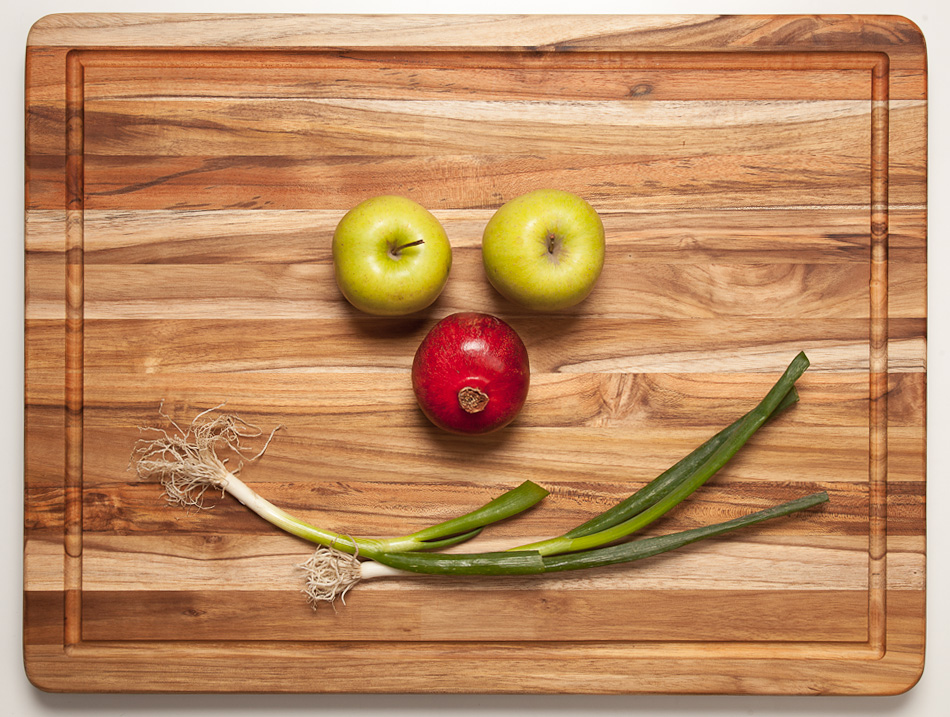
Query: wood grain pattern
x=762, y=182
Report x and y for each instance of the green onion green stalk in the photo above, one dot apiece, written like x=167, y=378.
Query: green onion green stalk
x=529, y=562
x=678, y=482
x=654, y=491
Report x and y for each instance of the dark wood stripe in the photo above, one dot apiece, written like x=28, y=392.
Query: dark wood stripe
x=517, y=615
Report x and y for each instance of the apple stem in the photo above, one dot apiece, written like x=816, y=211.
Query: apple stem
x=394, y=251
x=472, y=400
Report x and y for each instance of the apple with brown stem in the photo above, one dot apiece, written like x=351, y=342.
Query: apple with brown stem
x=544, y=250
x=391, y=256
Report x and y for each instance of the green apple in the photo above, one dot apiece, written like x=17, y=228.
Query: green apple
x=544, y=249
x=390, y=256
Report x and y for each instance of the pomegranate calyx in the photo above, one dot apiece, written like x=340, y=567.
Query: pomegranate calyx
x=472, y=399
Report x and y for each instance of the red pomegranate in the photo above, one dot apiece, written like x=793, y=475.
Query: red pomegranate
x=470, y=373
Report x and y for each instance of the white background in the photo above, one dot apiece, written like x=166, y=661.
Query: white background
x=21, y=699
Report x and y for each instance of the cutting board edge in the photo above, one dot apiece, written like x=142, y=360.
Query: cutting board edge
x=74, y=656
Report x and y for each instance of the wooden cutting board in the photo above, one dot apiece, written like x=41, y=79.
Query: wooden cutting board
x=762, y=181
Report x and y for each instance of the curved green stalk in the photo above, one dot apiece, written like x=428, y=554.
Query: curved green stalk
x=504, y=506
x=680, y=481
x=532, y=563
x=667, y=480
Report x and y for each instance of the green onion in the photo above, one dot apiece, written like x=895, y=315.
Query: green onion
x=187, y=464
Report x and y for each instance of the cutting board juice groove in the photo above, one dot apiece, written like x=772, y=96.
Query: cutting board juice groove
x=875, y=63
